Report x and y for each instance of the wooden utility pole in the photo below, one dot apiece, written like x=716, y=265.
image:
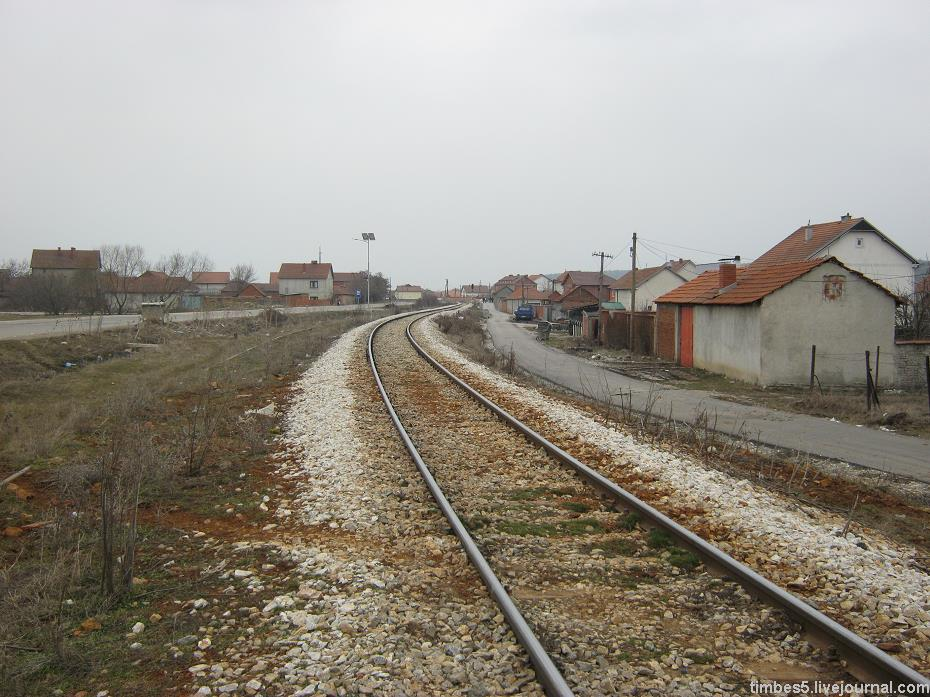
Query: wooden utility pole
x=813, y=364
x=927, y=371
x=633, y=295
x=600, y=293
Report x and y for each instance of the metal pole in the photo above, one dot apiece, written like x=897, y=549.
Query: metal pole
x=878, y=355
x=368, y=277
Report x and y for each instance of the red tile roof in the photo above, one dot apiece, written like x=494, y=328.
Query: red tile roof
x=625, y=282
x=312, y=270
x=797, y=246
x=66, y=259
x=753, y=283
x=150, y=283
x=583, y=278
x=407, y=288
x=211, y=277
x=581, y=296
x=273, y=278
x=527, y=292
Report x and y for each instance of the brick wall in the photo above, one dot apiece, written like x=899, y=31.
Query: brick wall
x=665, y=331
x=910, y=373
x=617, y=330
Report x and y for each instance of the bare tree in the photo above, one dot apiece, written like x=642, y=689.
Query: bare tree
x=179, y=269
x=14, y=268
x=241, y=276
x=121, y=264
x=48, y=293
x=912, y=315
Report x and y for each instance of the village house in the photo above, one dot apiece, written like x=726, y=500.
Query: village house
x=573, y=304
x=210, y=282
x=408, y=293
x=508, y=288
x=66, y=264
x=856, y=243
x=348, y=287
x=127, y=294
x=569, y=280
x=526, y=295
x=476, y=291
x=309, y=283
x=651, y=282
x=758, y=323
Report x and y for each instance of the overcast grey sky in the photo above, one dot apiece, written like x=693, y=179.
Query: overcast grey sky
x=473, y=138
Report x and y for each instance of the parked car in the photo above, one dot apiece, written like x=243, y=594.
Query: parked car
x=524, y=313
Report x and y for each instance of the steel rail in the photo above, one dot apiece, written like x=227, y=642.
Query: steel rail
x=866, y=661
x=547, y=673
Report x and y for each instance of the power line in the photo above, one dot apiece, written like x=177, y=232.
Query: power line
x=690, y=249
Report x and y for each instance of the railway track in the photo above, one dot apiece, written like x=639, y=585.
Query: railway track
x=604, y=590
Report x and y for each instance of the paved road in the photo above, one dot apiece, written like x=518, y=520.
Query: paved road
x=818, y=436
x=57, y=326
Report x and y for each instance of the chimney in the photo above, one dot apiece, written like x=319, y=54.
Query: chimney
x=59, y=249
x=314, y=261
x=808, y=233
x=726, y=275
x=72, y=251
x=846, y=217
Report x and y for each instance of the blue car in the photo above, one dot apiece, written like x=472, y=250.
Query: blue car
x=524, y=313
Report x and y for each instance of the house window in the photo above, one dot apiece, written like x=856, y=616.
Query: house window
x=314, y=284
x=833, y=286
x=860, y=241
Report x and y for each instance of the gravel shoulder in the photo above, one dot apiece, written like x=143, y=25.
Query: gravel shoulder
x=379, y=599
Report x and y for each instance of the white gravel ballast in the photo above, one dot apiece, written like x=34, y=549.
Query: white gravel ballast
x=868, y=583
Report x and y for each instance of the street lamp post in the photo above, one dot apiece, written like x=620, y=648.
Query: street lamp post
x=368, y=238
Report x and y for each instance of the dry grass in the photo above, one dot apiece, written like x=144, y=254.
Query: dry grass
x=106, y=441
x=903, y=412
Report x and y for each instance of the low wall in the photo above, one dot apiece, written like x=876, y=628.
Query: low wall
x=616, y=335
x=910, y=358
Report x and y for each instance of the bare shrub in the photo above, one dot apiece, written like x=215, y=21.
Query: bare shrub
x=253, y=429
x=198, y=429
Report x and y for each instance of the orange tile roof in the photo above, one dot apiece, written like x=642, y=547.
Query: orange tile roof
x=796, y=246
x=211, y=277
x=527, y=292
x=753, y=283
x=66, y=259
x=625, y=282
x=583, y=278
x=313, y=270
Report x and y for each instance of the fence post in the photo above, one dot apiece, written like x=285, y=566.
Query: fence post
x=868, y=383
x=813, y=363
x=878, y=355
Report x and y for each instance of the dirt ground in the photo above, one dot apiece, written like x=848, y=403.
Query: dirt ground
x=59, y=632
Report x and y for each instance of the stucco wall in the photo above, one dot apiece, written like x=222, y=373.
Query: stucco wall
x=875, y=258
x=647, y=292
x=727, y=340
x=301, y=286
x=802, y=314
